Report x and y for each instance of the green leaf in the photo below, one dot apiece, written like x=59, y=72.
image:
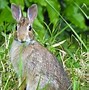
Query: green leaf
x=69, y=63
x=74, y=16
x=40, y=14
x=6, y=15
x=38, y=24
x=52, y=14
x=82, y=2
x=75, y=84
x=40, y=2
x=3, y=4
x=18, y=2
x=77, y=64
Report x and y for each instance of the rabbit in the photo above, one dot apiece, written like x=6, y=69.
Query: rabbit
x=37, y=65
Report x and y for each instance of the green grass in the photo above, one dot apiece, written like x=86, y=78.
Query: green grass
x=71, y=50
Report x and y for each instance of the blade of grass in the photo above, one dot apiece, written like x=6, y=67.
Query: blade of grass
x=82, y=10
x=38, y=86
x=54, y=37
x=61, y=31
x=69, y=53
x=58, y=44
x=75, y=84
x=58, y=33
x=48, y=28
x=7, y=82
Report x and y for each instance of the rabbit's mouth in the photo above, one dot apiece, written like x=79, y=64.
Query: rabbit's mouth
x=26, y=42
x=20, y=41
x=23, y=41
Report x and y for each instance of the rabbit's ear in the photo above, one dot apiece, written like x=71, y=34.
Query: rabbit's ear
x=16, y=12
x=32, y=13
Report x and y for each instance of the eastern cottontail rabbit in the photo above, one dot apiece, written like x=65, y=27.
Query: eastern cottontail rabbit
x=38, y=65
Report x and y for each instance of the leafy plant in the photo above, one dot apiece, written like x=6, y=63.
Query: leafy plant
x=61, y=26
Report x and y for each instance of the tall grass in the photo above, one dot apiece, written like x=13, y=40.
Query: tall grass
x=71, y=51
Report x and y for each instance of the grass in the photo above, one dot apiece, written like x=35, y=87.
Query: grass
x=71, y=50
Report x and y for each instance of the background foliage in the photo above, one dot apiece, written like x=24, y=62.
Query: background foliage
x=62, y=26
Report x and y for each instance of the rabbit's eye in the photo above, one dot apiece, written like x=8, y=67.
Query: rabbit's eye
x=30, y=28
x=16, y=28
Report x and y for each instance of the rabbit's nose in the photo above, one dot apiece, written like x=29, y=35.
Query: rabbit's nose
x=22, y=40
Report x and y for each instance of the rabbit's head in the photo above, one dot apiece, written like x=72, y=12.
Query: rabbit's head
x=24, y=24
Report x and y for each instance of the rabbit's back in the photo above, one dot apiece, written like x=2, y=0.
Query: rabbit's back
x=39, y=64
